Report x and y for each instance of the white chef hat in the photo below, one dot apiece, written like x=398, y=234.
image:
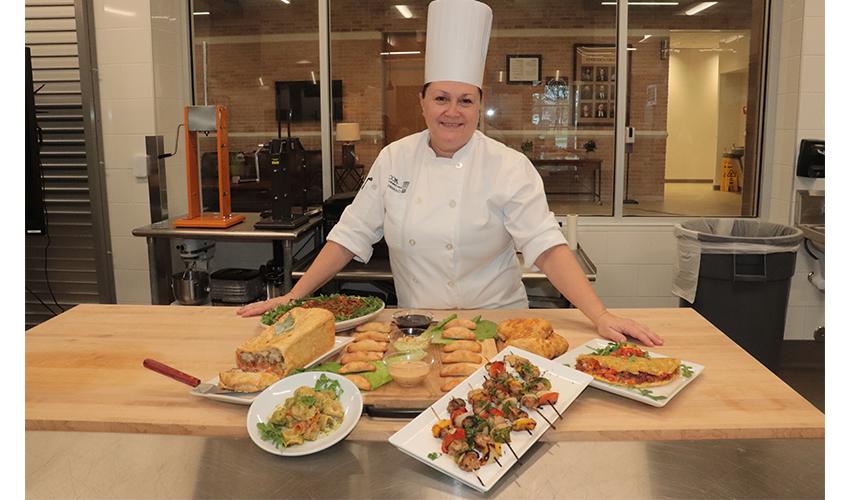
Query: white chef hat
x=456, y=43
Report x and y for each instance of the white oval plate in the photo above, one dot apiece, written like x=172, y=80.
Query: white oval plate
x=351, y=323
x=277, y=393
x=348, y=324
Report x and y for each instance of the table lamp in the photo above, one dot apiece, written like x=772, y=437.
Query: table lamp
x=347, y=133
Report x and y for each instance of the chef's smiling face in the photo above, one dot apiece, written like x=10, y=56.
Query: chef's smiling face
x=451, y=113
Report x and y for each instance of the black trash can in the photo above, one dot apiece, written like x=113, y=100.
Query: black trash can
x=737, y=274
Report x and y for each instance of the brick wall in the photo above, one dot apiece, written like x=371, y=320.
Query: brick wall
x=249, y=40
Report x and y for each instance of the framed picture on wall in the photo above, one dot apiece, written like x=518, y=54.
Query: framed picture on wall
x=523, y=69
x=595, y=76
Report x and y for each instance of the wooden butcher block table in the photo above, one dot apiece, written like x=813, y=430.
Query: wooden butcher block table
x=84, y=373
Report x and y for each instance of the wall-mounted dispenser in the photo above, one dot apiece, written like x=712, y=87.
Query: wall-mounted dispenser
x=811, y=158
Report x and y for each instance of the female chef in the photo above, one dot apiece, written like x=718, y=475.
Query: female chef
x=454, y=205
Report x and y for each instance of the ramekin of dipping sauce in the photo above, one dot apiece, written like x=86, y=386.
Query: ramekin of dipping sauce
x=409, y=369
x=412, y=319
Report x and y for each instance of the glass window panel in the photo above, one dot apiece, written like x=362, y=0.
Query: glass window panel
x=563, y=117
x=262, y=58
x=693, y=103
x=532, y=112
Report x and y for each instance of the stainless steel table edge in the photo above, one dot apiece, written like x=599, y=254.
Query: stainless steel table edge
x=110, y=465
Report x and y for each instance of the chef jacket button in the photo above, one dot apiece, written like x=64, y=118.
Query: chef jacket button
x=449, y=246
x=415, y=280
x=451, y=284
x=459, y=164
x=412, y=242
x=374, y=186
x=418, y=200
x=452, y=203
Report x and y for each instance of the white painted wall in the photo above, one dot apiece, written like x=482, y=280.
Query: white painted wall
x=143, y=86
x=692, y=114
x=125, y=76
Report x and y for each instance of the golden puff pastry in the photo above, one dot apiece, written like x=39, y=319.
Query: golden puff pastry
x=550, y=347
x=241, y=381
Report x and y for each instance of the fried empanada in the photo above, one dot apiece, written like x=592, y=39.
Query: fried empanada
x=357, y=367
x=462, y=345
x=461, y=357
x=367, y=345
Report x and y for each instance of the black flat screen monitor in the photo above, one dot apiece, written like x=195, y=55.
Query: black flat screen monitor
x=302, y=98
x=34, y=190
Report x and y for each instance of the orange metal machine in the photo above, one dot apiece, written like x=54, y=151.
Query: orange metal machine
x=207, y=119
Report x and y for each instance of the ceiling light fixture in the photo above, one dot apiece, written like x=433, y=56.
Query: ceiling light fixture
x=285, y=1
x=645, y=38
x=404, y=11
x=201, y=13
x=401, y=53
x=645, y=3
x=696, y=9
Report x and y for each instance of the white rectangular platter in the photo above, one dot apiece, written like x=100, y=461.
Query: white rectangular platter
x=416, y=440
x=246, y=398
x=656, y=396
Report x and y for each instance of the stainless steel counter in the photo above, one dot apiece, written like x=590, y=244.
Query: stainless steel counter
x=104, y=465
x=379, y=270
x=159, y=233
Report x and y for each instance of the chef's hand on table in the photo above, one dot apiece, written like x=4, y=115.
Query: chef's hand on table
x=616, y=328
x=257, y=308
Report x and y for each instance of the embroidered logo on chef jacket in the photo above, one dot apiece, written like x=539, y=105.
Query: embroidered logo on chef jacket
x=395, y=186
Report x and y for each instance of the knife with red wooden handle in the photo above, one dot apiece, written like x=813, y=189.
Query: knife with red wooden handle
x=152, y=364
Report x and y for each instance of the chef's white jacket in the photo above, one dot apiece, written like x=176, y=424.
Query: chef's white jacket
x=452, y=225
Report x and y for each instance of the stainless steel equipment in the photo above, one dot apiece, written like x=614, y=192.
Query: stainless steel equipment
x=192, y=286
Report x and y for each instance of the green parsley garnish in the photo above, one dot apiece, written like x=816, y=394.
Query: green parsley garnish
x=607, y=350
x=686, y=370
x=368, y=305
x=326, y=384
x=433, y=455
x=647, y=393
x=307, y=400
x=271, y=432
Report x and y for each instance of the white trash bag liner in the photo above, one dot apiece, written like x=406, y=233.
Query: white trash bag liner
x=725, y=236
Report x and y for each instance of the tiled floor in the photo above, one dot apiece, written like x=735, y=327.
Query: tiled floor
x=681, y=199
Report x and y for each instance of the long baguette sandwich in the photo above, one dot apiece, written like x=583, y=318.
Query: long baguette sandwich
x=633, y=371
x=298, y=337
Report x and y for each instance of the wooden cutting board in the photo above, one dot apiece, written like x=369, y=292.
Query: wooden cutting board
x=392, y=395
x=84, y=373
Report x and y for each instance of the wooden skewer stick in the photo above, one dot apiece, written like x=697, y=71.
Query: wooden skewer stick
x=544, y=418
x=435, y=412
x=556, y=411
x=512, y=451
x=480, y=481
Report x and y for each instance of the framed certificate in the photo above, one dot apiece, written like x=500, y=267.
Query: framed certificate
x=523, y=69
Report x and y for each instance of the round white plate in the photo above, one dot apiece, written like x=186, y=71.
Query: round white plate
x=264, y=405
